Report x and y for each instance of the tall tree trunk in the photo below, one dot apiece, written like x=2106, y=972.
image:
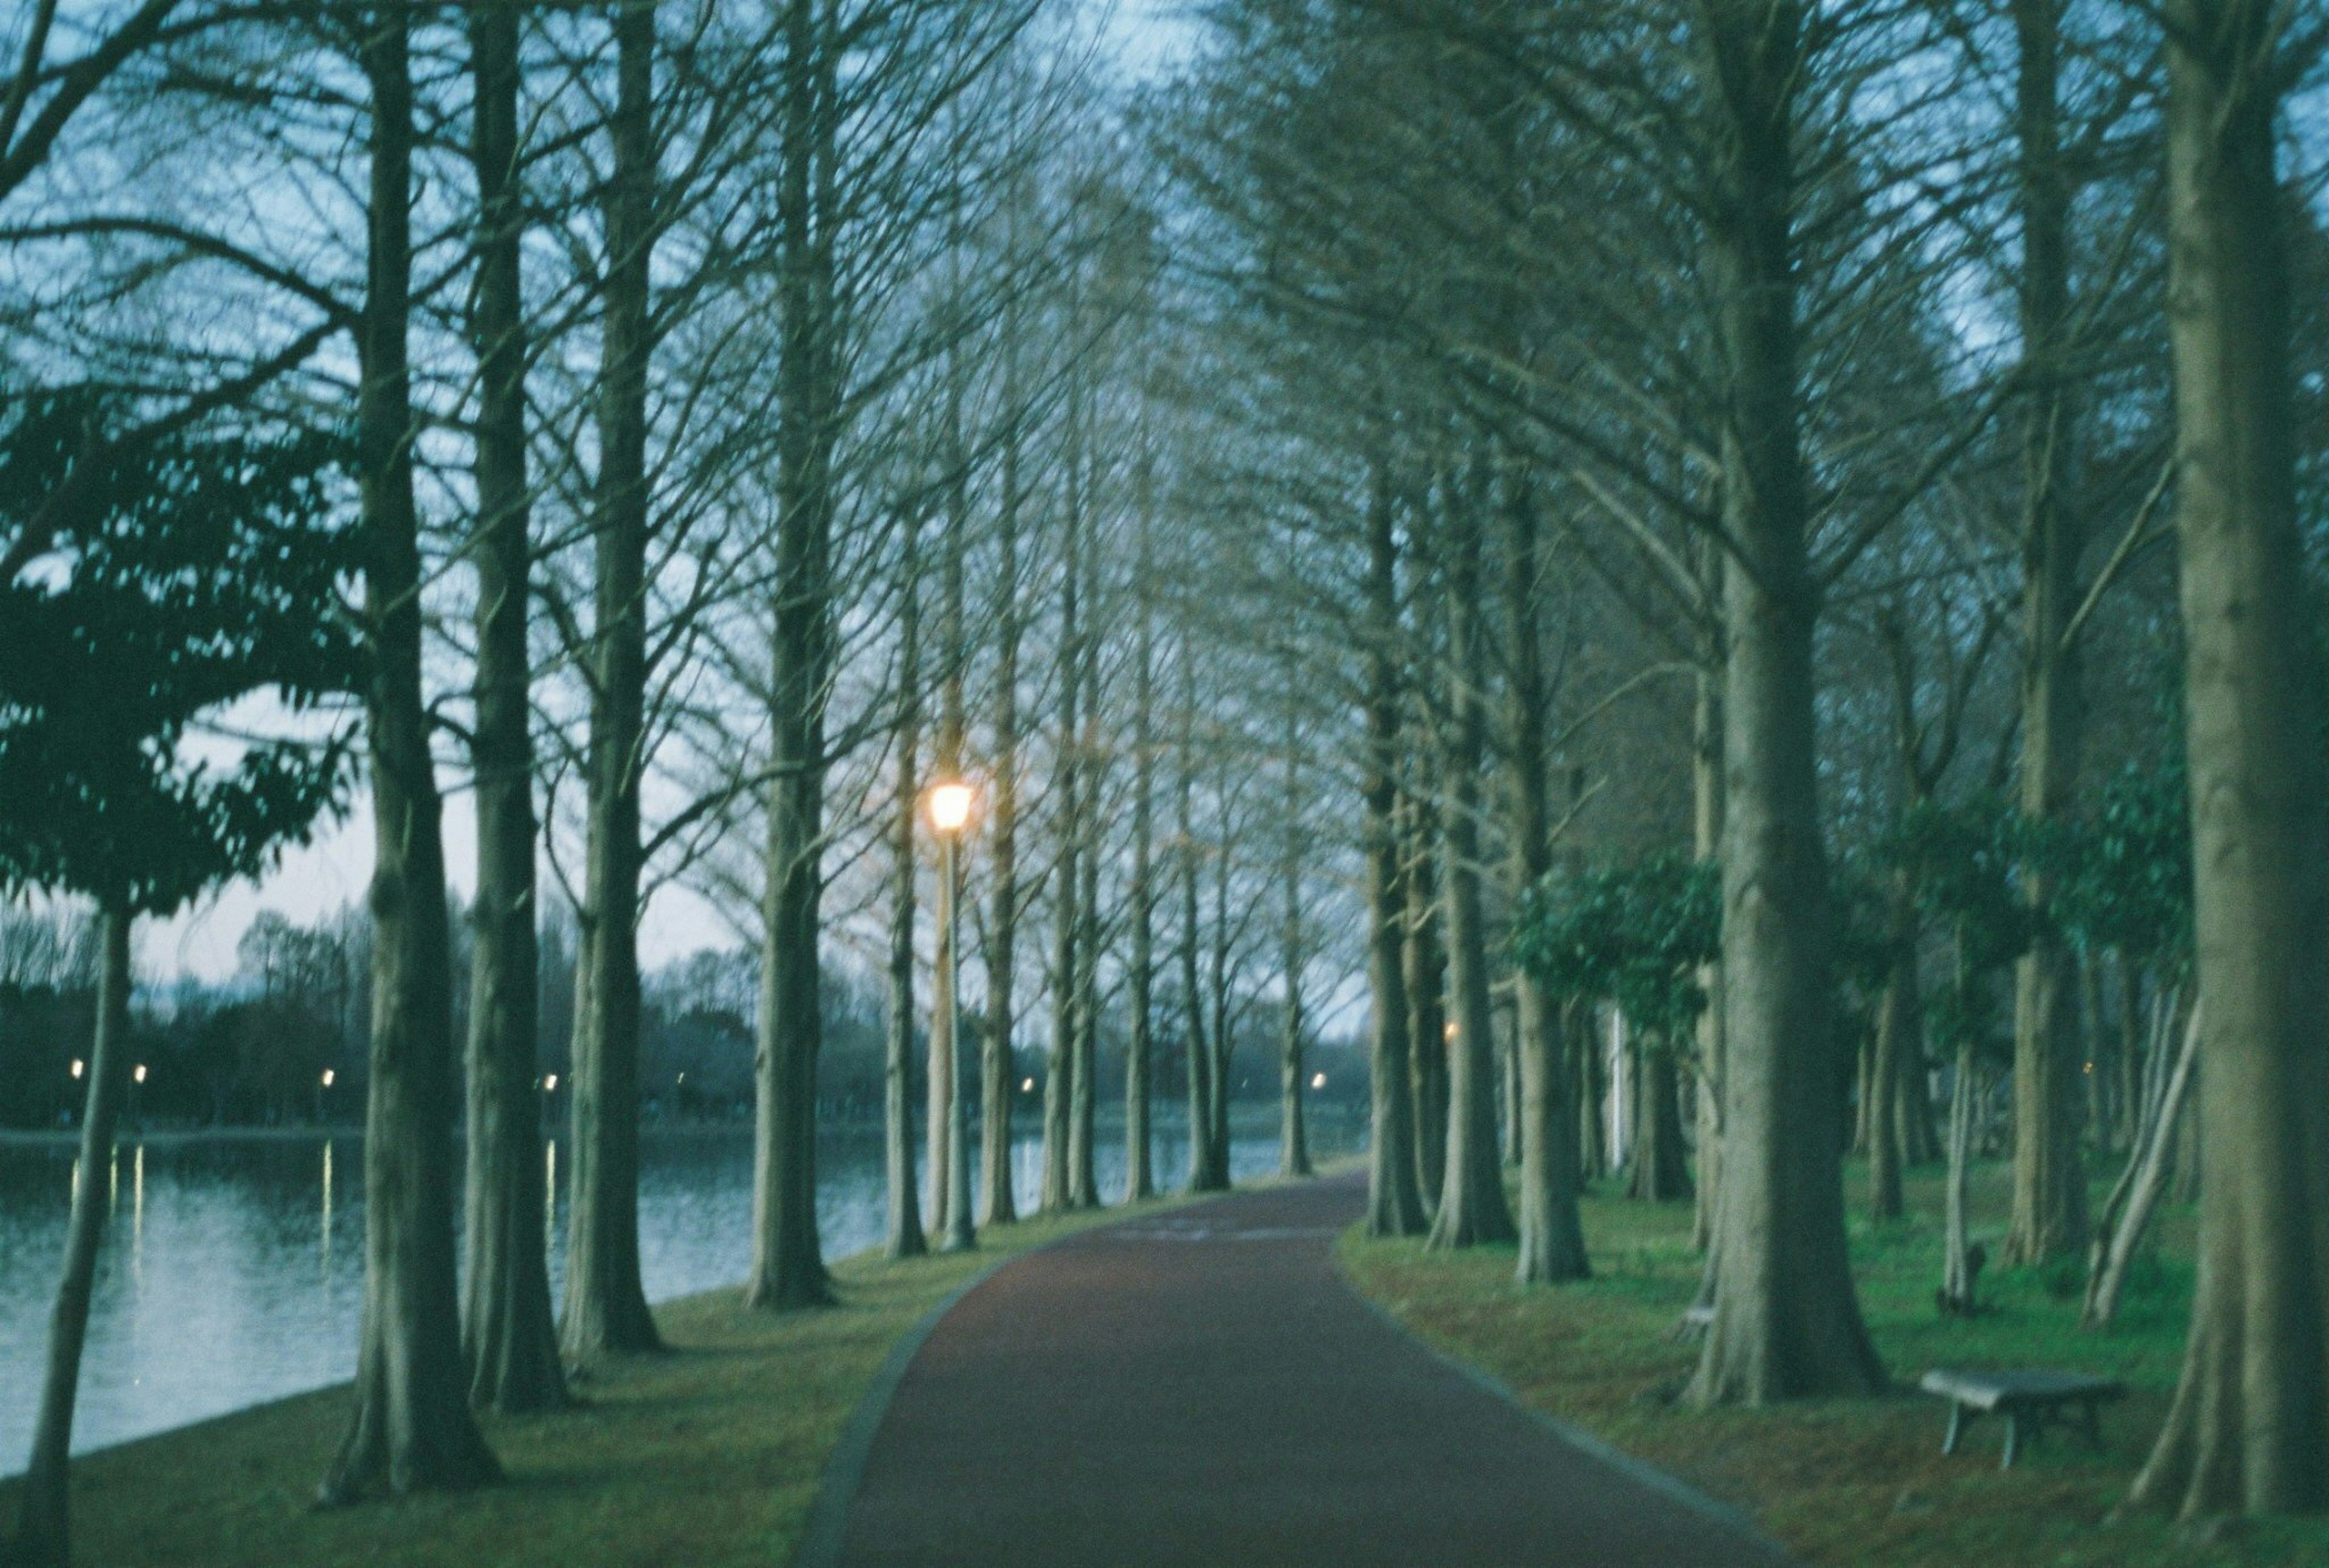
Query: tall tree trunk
x=1553, y=1240
x=43, y=1524
x=1217, y=1079
x=1424, y=966
x=1472, y=1207
x=1293, y=1140
x=1139, y=1174
x=1659, y=1172
x=998, y=1205
x=1897, y=1046
x=1083, y=1180
x=1706, y=845
x=950, y=1207
x=411, y=1426
x=2250, y=1426
x=509, y=1333
x=904, y=1237
x=1204, y=1175
x=2050, y=1180
x=1787, y=1322
x=606, y=1300
x=1060, y=1083
x=788, y=1258
x=1395, y=1205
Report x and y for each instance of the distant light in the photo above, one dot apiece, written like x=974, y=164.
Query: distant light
x=1449, y=1033
x=2090, y=1066
x=551, y=1082
x=78, y=1066
x=137, y=1074
x=328, y=1076
x=683, y=1077
x=950, y=806
x=1027, y=1085
x=1317, y=1080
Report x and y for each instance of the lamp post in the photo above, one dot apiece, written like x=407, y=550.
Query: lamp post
x=322, y=1084
x=951, y=808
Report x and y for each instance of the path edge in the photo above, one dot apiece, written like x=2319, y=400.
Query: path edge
x=828, y=1517
x=1671, y=1486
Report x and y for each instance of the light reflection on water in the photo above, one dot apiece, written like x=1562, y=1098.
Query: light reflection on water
x=235, y=1275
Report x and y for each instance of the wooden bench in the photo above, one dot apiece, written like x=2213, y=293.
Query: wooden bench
x=1693, y=1323
x=2031, y=1402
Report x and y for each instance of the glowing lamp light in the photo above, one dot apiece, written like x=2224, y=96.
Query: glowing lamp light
x=137, y=1074
x=950, y=806
x=1317, y=1080
x=1449, y=1032
x=77, y=1067
x=550, y=1084
x=1027, y=1085
x=327, y=1077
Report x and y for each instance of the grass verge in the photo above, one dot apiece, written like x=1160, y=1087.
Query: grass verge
x=707, y=1457
x=1858, y=1482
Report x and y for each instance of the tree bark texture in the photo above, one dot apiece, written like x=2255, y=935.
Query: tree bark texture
x=1551, y=1238
x=44, y=1537
x=2050, y=1180
x=1425, y=965
x=1395, y=1205
x=509, y=1333
x=1205, y=1174
x=787, y=1257
x=605, y=1299
x=1786, y=1321
x=411, y=1426
x=998, y=1094
x=1472, y=1207
x=2248, y=1429
x=903, y=1236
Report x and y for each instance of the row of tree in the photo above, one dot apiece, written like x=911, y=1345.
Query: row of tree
x=1804, y=391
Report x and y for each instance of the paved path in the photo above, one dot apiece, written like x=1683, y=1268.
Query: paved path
x=1198, y=1387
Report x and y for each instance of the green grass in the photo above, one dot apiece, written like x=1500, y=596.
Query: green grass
x=707, y=1457
x=1856, y=1482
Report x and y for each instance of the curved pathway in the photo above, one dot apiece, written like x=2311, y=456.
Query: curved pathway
x=1198, y=1387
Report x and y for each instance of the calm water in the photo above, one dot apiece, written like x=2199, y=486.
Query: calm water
x=233, y=1267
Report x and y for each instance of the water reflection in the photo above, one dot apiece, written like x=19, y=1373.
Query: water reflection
x=221, y=1289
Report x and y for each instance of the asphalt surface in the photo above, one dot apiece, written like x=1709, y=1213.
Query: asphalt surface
x=1198, y=1387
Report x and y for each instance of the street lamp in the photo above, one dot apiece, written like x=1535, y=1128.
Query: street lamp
x=137, y=1082
x=951, y=810
x=321, y=1082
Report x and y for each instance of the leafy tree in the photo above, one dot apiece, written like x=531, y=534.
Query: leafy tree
x=203, y=570
x=1635, y=935
x=1640, y=935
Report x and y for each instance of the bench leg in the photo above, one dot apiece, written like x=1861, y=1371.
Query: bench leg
x=1956, y=1429
x=2013, y=1439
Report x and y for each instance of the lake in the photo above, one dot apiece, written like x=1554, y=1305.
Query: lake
x=233, y=1264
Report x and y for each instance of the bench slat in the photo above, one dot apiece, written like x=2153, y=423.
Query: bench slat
x=1997, y=1390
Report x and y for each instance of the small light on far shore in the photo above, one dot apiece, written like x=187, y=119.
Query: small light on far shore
x=1449, y=1032
x=77, y=1065
x=1027, y=1085
x=137, y=1074
x=1317, y=1080
x=328, y=1076
x=549, y=1085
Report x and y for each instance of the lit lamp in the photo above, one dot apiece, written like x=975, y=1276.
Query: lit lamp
x=323, y=1082
x=951, y=810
